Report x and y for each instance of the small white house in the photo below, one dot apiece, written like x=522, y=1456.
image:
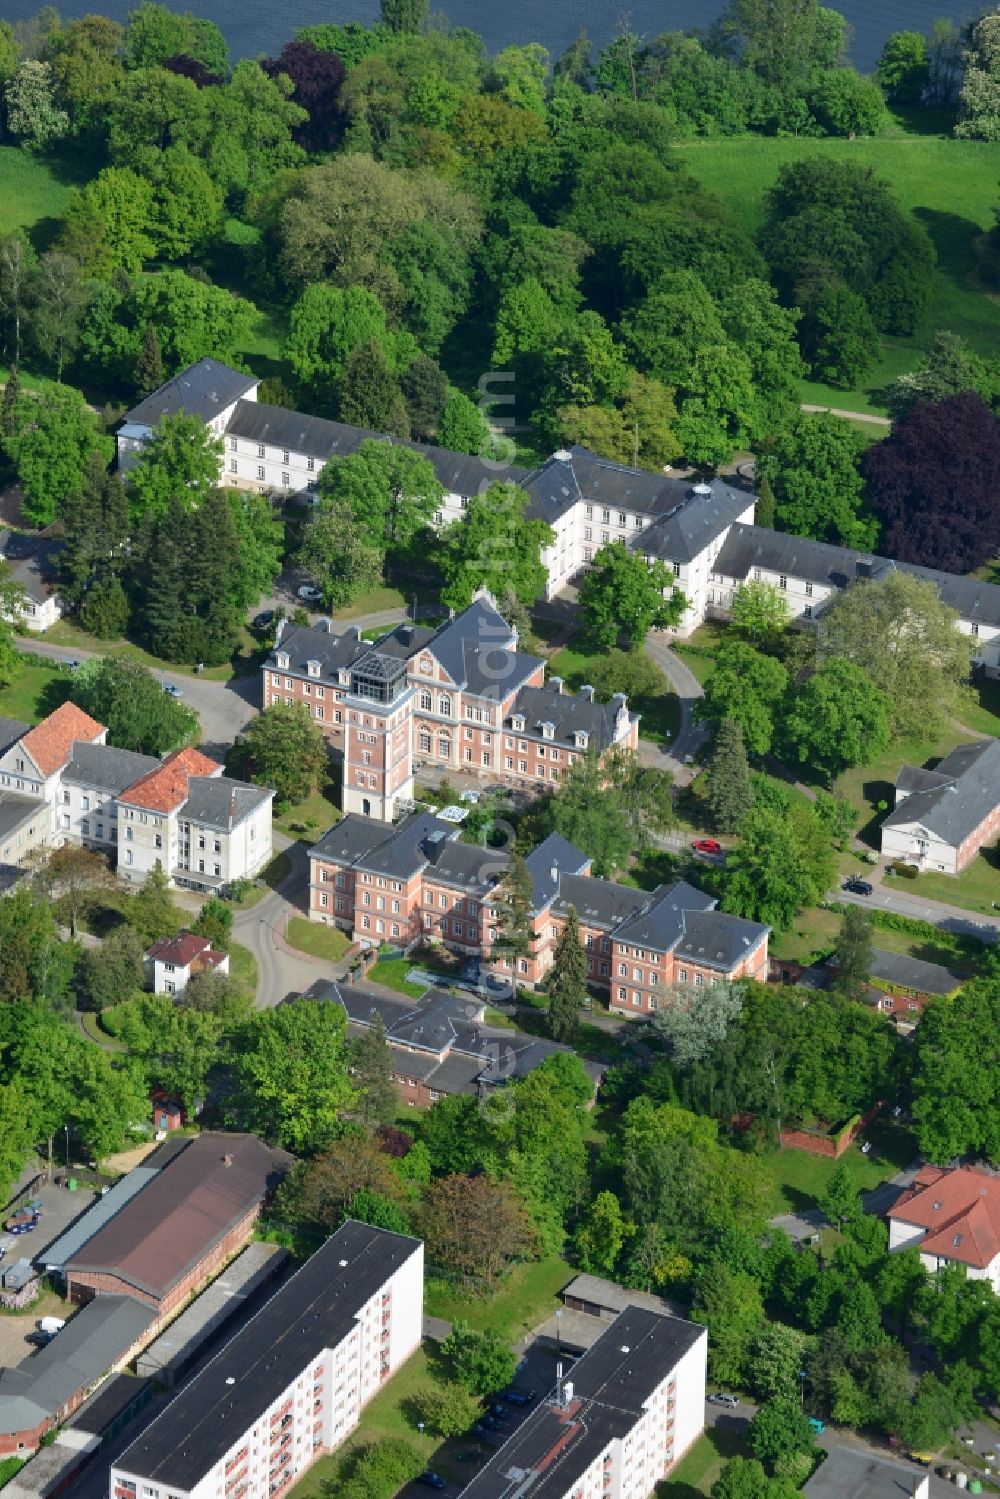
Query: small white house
x=176, y=960
x=951, y=1217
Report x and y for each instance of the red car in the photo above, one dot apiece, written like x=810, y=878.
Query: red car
x=707, y=846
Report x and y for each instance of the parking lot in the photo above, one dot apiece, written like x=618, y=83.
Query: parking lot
x=60, y=1208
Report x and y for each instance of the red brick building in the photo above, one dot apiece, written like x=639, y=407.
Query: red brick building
x=415, y=882
x=461, y=698
x=174, y=1235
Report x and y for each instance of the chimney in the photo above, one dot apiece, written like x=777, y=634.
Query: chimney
x=557, y=683
x=434, y=845
x=353, y=631
x=618, y=702
x=554, y=875
x=406, y=633
x=587, y=692
x=279, y=631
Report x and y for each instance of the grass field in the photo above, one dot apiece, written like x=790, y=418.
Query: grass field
x=30, y=190
x=272, y=876
x=391, y=974
x=975, y=889
x=701, y=1467
x=951, y=188
x=38, y=690
x=661, y=713
x=311, y=818
x=800, y=1179
x=326, y=942
x=243, y=966
x=815, y=932
x=523, y=1299
x=246, y=663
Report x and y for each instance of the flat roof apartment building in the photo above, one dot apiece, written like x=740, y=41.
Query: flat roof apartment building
x=292, y=1383
x=632, y=1406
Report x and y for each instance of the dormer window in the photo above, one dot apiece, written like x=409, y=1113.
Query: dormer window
x=344, y=678
x=282, y=659
x=313, y=668
x=548, y=730
x=517, y=723
x=581, y=738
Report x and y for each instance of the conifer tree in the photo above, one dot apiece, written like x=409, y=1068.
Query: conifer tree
x=853, y=953
x=149, y=374
x=730, y=789
x=369, y=392
x=95, y=522
x=767, y=505
x=567, y=984
x=373, y=1072
x=151, y=912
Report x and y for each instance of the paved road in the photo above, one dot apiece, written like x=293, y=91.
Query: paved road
x=948, y=918
x=281, y=970
x=224, y=708
x=851, y=416
x=691, y=736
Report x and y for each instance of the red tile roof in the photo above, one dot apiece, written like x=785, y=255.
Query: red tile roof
x=959, y=1209
x=164, y=789
x=184, y=948
x=50, y=743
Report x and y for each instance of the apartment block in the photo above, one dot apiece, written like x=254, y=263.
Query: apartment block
x=616, y=1427
x=292, y=1383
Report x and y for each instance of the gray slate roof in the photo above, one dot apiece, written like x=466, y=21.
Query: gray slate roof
x=683, y=534
x=17, y=810
x=575, y=474
x=399, y=852
x=956, y=806
x=555, y=854
x=86, y=1348
x=747, y=547
x=479, y=651
x=107, y=769
x=316, y=437
x=660, y=923
x=11, y=730
x=32, y=562
x=221, y=802
x=718, y=940
x=568, y=713
x=335, y=653
x=204, y=389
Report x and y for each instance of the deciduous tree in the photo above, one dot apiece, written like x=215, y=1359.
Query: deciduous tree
x=124, y=695
x=291, y=1080
x=494, y=546
x=813, y=468
x=837, y=718
x=373, y=1072
x=283, y=747
x=475, y=1228
x=180, y=462
x=622, y=594
x=482, y=1362
x=55, y=436
x=746, y=687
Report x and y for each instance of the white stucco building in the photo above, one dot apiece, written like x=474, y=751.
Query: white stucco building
x=292, y=1383
x=952, y=1218
x=617, y=1425
x=173, y=962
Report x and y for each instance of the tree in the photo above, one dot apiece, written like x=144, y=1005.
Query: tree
x=903, y=69
x=853, y=953
x=779, y=1432
x=780, y=864
x=744, y=1478
x=179, y=462
x=316, y=75
x=482, y=1362
x=149, y=374
x=947, y=369
x=609, y=806
x=494, y=546
x=290, y=1079
x=445, y=1410
x=567, y=982
x=622, y=594
x=175, y=1046
x=57, y=297
x=760, y=612
x=840, y=1195
x=373, y=1072
x=55, y=435
x=190, y=568
x=475, y=1227
x=403, y=15
x=33, y=117
x=282, y=747
x=107, y=223
x=16, y=266
x=956, y=1106
x=95, y=527
x=126, y=697
x=601, y=1235
x=77, y=878
x=260, y=538
x=693, y=1020
x=151, y=912
x=905, y=639
x=944, y=57
x=775, y=1363
x=784, y=41
x=215, y=921
x=318, y=1191
x=193, y=319
x=369, y=392
x=13, y=598
x=388, y=490
x=381, y=1212
x=746, y=687
x=813, y=468
x=934, y=486
x=515, y=937
x=34, y=963
x=842, y=103
x=463, y=428
x=339, y=554
x=730, y=789
x=112, y=971
x=837, y=718
x=728, y=1302
x=979, y=98
x=425, y=390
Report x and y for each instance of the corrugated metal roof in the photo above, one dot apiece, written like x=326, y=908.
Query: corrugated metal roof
x=96, y=1216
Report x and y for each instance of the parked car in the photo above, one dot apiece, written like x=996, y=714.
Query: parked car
x=263, y=619
x=172, y=689
x=432, y=1480
x=719, y=1397
x=26, y=1226
x=519, y=1397
x=309, y=593
x=707, y=846
x=816, y=1425
x=858, y=886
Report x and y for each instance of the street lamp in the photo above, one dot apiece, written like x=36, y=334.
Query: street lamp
x=802, y=1388
x=66, y=1132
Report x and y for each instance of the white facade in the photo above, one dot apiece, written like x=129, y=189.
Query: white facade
x=173, y=978
x=912, y=843
x=317, y=1410
x=903, y=1235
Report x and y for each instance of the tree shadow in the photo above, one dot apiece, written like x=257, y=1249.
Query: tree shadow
x=953, y=238
x=799, y=1201
x=53, y=695
x=43, y=234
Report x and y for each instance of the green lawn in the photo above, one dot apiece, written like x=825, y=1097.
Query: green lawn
x=661, y=714
x=799, y=1178
x=391, y=973
x=815, y=932
x=866, y=786
x=697, y=1472
x=37, y=690
x=977, y=888
x=243, y=966
x=30, y=190
x=951, y=188
x=272, y=876
x=246, y=663
x=982, y=712
x=310, y=819
x=523, y=1299
x=326, y=942
x=374, y=602
x=92, y=1025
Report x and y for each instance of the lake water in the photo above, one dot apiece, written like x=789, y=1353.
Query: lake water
x=252, y=27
